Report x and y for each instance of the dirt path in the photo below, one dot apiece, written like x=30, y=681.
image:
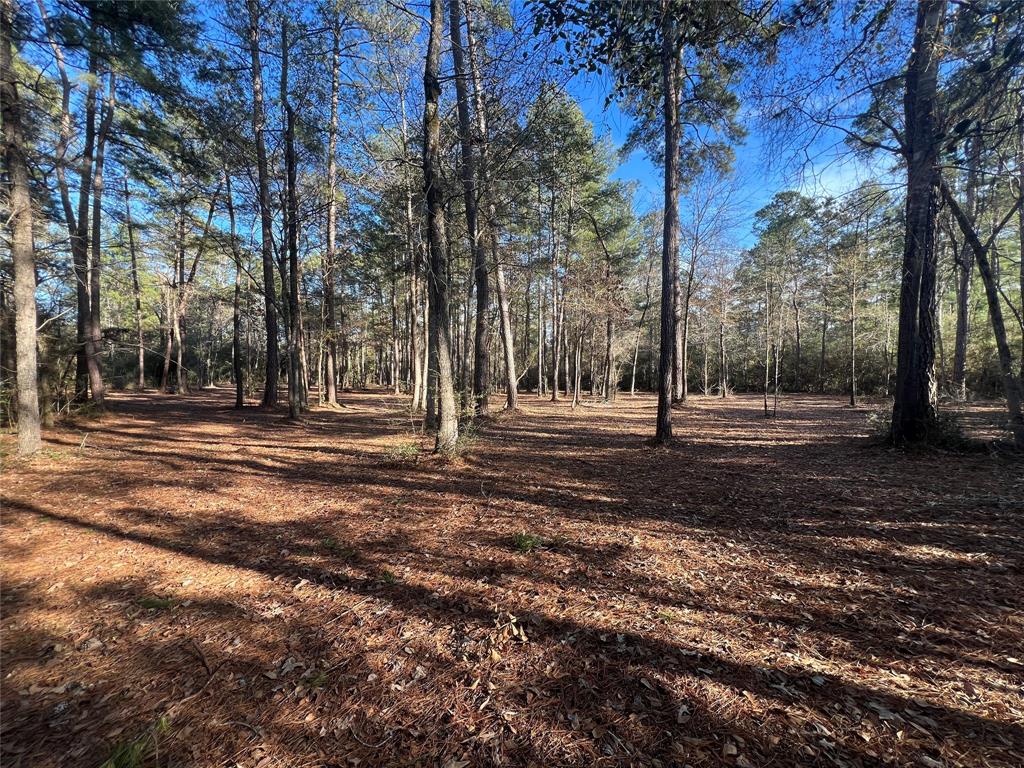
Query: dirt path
x=225, y=589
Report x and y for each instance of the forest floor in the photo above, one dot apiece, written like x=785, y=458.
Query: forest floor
x=215, y=588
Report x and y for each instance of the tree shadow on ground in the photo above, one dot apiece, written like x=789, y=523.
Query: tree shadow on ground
x=740, y=598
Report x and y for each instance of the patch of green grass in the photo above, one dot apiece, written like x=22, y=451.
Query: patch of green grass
x=335, y=547
x=135, y=753
x=463, y=443
x=468, y=433
x=319, y=680
x=387, y=577
x=668, y=617
x=156, y=603
x=945, y=434
x=527, y=542
x=403, y=453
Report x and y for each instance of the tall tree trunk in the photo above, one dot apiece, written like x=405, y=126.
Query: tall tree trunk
x=1012, y=386
x=447, y=418
x=798, y=363
x=303, y=350
x=556, y=330
x=528, y=322
x=821, y=360
x=396, y=383
x=678, y=344
x=914, y=411
x=22, y=248
x=507, y=340
x=723, y=370
x=565, y=345
x=640, y=326
x=684, y=337
x=77, y=224
x=705, y=342
x=331, y=351
x=767, y=334
x=965, y=275
x=96, y=252
x=853, y=335
x=780, y=342
x=470, y=188
x=776, y=359
x=465, y=342
x=541, y=340
x=179, y=342
x=507, y=336
x=577, y=378
x=295, y=378
x=236, y=304
x=1020, y=220
x=430, y=330
x=136, y=289
x=611, y=377
x=636, y=355
x=670, y=237
x=179, y=307
x=684, y=350
x=88, y=356
x=165, y=376
x=266, y=221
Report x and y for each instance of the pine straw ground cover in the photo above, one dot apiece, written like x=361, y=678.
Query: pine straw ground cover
x=189, y=586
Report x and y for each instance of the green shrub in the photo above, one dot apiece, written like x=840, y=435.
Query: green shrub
x=946, y=434
x=156, y=603
x=403, y=453
x=527, y=542
x=135, y=753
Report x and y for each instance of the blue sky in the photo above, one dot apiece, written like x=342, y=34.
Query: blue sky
x=830, y=172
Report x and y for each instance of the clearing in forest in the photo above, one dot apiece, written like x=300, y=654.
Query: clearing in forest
x=215, y=588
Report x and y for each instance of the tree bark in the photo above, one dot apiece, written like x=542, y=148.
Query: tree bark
x=136, y=289
x=640, y=327
x=88, y=374
x=914, y=405
x=853, y=332
x=470, y=188
x=670, y=236
x=767, y=334
x=1020, y=221
x=96, y=252
x=295, y=373
x=266, y=221
x=541, y=340
x=723, y=371
x=507, y=339
x=556, y=330
x=1011, y=384
x=684, y=345
x=447, y=416
x=179, y=281
x=331, y=351
x=507, y=335
x=678, y=345
x=22, y=248
x=798, y=363
x=236, y=304
x=165, y=379
x=77, y=224
x=821, y=359
x=965, y=276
